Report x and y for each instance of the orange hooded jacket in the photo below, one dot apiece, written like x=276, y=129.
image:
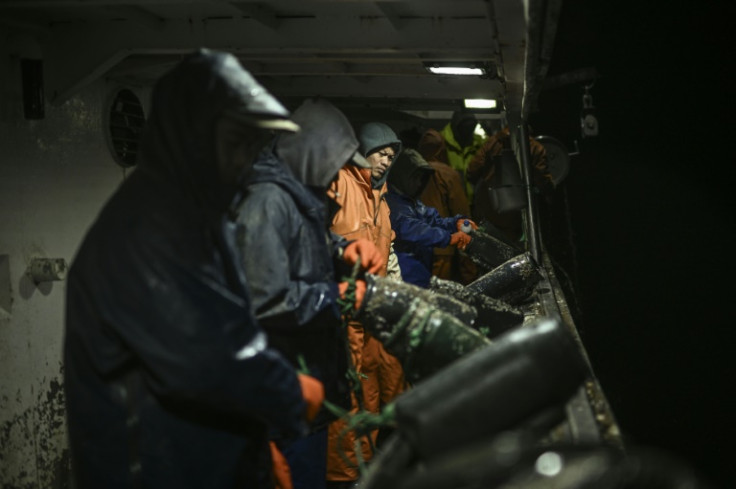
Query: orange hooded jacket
x=363, y=213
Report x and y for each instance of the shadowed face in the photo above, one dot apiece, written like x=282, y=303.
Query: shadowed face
x=237, y=146
x=417, y=183
x=464, y=132
x=381, y=161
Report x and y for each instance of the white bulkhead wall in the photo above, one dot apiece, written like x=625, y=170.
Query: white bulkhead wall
x=55, y=175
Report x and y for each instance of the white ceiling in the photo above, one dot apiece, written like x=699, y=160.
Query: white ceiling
x=364, y=53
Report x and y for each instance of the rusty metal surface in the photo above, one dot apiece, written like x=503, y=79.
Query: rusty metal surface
x=589, y=415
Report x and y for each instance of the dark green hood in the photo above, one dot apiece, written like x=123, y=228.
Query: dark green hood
x=407, y=168
x=374, y=136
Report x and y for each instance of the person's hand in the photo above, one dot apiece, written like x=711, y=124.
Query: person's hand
x=280, y=468
x=313, y=393
x=360, y=287
x=460, y=223
x=371, y=259
x=459, y=239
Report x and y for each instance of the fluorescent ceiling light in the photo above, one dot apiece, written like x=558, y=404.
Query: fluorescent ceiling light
x=455, y=70
x=480, y=103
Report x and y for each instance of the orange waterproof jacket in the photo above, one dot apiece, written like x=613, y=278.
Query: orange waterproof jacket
x=444, y=191
x=363, y=213
x=363, y=210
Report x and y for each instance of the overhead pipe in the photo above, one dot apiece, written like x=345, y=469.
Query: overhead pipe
x=530, y=213
x=542, y=19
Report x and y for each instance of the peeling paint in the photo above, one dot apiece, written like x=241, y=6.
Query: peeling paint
x=17, y=460
x=44, y=163
x=34, y=450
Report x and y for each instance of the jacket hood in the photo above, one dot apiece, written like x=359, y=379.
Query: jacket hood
x=405, y=171
x=460, y=117
x=374, y=136
x=324, y=144
x=178, y=143
x=269, y=168
x=463, y=125
x=432, y=146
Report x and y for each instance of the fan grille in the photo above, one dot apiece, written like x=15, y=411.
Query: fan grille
x=125, y=127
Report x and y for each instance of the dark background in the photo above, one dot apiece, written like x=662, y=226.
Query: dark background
x=651, y=212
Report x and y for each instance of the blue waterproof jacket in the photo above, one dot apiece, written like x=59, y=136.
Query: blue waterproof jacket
x=288, y=259
x=418, y=230
x=289, y=252
x=169, y=381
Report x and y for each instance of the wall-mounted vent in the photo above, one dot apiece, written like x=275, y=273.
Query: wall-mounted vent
x=125, y=125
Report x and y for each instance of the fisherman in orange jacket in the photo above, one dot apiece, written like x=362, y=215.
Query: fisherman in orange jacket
x=445, y=192
x=364, y=213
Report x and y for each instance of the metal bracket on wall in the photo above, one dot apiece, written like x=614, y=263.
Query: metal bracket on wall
x=47, y=269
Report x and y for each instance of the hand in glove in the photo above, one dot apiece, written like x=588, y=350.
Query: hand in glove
x=460, y=222
x=459, y=239
x=313, y=393
x=359, y=291
x=280, y=468
x=370, y=258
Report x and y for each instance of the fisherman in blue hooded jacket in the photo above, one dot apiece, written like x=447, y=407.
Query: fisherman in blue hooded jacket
x=418, y=228
x=294, y=264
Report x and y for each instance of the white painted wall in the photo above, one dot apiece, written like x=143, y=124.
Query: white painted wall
x=55, y=175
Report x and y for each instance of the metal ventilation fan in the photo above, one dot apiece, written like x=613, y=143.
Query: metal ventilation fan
x=558, y=158
x=125, y=126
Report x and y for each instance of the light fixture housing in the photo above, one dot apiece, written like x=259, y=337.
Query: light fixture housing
x=456, y=68
x=480, y=103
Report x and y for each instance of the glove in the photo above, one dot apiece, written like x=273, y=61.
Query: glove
x=460, y=222
x=371, y=259
x=360, y=287
x=313, y=393
x=280, y=468
x=459, y=239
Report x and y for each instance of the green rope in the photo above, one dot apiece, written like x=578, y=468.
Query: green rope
x=402, y=324
x=416, y=337
x=347, y=304
x=303, y=369
x=357, y=448
x=347, y=307
x=362, y=422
